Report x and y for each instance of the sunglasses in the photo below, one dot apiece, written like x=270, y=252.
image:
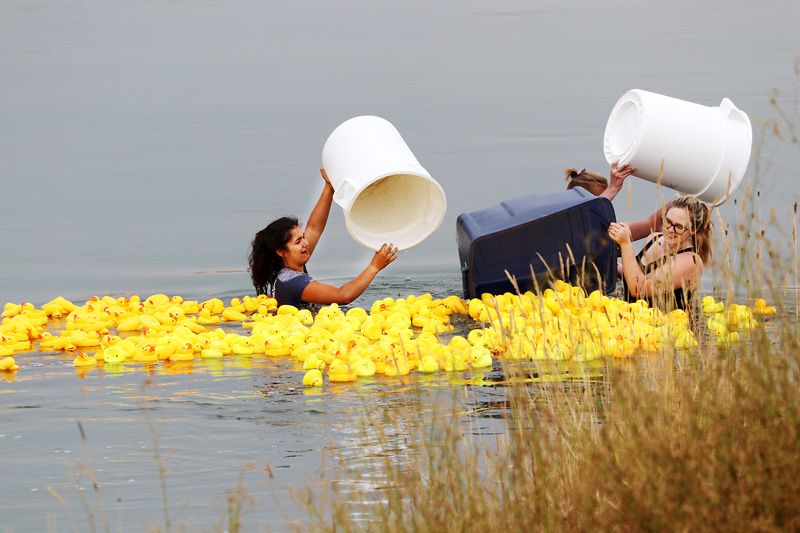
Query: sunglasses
x=678, y=229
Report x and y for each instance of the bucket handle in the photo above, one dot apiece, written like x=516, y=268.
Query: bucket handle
x=732, y=112
x=339, y=193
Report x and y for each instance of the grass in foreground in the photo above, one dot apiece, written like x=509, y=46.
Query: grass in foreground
x=707, y=446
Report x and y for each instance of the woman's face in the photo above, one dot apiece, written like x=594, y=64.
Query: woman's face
x=295, y=255
x=678, y=225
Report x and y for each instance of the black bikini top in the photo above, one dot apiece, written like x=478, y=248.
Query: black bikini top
x=681, y=297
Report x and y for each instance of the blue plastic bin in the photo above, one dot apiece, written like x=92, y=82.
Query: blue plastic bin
x=531, y=238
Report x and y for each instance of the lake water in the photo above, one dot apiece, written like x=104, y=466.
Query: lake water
x=144, y=143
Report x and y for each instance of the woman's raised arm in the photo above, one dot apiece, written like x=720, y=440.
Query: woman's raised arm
x=319, y=215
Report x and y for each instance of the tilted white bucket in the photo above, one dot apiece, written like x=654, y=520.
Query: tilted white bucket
x=386, y=195
x=704, y=150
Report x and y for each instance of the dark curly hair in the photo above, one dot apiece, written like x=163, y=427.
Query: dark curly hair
x=265, y=263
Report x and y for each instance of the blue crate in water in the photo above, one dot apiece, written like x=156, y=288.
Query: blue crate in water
x=537, y=239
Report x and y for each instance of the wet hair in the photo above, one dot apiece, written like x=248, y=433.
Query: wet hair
x=591, y=181
x=702, y=224
x=265, y=263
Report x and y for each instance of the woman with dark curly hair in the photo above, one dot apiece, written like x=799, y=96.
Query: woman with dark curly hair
x=280, y=252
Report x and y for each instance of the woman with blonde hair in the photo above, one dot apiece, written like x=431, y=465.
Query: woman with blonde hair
x=667, y=270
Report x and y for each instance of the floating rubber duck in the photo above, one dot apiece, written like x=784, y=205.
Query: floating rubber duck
x=243, y=348
x=365, y=367
x=760, y=307
x=81, y=359
x=233, y=315
x=711, y=307
x=340, y=371
x=181, y=356
x=313, y=378
x=397, y=366
x=8, y=364
x=453, y=363
x=275, y=348
x=210, y=353
x=685, y=340
x=727, y=339
x=482, y=359
x=428, y=364
x=145, y=356
x=113, y=355
x=312, y=362
x=587, y=351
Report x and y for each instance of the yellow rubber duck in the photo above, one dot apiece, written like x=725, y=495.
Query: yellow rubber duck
x=428, y=364
x=588, y=351
x=145, y=356
x=454, y=363
x=365, y=367
x=211, y=353
x=313, y=378
x=287, y=310
x=711, y=307
x=312, y=362
x=82, y=359
x=275, y=348
x=340, y=371
x=184, y=351
x=243, y=349
x=114, y=354
x=460, y=343
x=685, y=340
x=181, y=356
x=207, y=318
x=233, y=315
x=8, y=364
x=397, y=366
x=760, y=307
x=482, y=359
x=728, y=339
x=305, y=317
x=717, y=323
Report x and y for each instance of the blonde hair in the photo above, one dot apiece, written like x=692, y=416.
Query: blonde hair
x=702, y=224
x=588, y=180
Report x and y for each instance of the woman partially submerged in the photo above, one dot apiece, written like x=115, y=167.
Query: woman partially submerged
x=667, y=270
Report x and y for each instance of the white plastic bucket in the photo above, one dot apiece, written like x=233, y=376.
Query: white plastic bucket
x=386, y=195
x=704, y=150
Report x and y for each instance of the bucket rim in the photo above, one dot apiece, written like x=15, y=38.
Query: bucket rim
x=353, y=230
x=346, y=206
x=632, y=96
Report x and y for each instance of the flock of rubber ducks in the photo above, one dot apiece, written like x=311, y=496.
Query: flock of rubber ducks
x=393, y=338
